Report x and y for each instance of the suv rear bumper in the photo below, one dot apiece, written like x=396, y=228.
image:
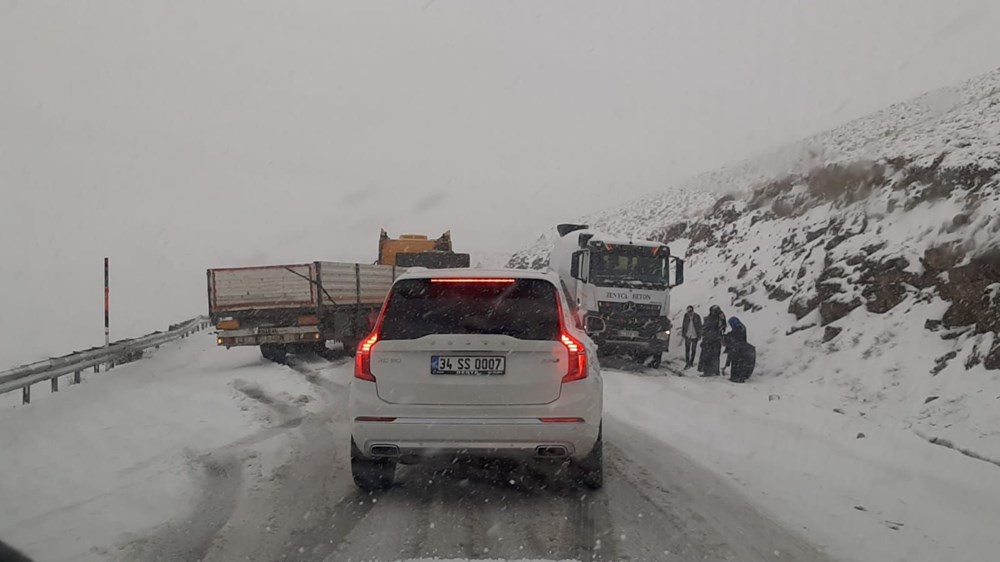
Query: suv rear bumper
x=422, y=437
x=478, y=430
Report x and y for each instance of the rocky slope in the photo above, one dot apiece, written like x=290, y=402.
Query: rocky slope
x=866, y=259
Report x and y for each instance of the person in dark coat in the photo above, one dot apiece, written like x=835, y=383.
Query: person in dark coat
x=740, y=355
x=691, y=332
x=712, y=331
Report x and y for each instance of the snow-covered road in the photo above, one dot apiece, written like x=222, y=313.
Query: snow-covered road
x=198, y=453
x=656, y=504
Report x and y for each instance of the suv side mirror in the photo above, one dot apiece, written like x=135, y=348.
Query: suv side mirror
x=575, y=266
x=678, y=272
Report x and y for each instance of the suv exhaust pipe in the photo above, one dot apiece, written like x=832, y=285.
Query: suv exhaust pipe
x=385, y=451
x=551, y=451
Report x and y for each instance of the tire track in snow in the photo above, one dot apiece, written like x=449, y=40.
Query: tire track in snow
x=313, y=371
x=192, y=537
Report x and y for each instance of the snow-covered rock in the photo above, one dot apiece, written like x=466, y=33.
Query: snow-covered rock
x=865, y=259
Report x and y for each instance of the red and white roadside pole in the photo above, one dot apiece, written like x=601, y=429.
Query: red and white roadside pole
x=107, y=303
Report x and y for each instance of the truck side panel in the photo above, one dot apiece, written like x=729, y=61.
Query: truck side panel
x=349, y=284
x=261, y=288
x=278, y=306
x=376, y=280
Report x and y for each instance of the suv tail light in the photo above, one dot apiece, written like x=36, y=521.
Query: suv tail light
x=577, y=358
x=363, y=356
x=577, y=368
x=363, y=359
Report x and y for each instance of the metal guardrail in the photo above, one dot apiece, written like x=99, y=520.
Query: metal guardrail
x=117, y=353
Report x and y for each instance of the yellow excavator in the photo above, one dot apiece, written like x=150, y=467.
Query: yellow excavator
x=417, y=250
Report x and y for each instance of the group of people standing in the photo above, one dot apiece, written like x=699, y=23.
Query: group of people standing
x=741, y=357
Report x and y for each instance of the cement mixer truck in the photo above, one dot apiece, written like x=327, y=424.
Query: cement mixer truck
x=621, y=287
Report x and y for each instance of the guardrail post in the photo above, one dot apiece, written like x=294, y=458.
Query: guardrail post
x=97, y=368
x=55, y=384
x=26, y=394
x=76, y=377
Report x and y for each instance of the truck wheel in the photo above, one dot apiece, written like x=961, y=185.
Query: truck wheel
x=274, y=352
x=371, y=474
x=591, y=468
x=655, y=360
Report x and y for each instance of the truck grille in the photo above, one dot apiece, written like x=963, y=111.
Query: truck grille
x=611, y=309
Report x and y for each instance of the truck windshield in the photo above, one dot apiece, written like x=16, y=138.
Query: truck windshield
x=611, y=267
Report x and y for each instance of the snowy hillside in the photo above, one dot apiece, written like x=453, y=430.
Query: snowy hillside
x=865, y=260
x=949, y=121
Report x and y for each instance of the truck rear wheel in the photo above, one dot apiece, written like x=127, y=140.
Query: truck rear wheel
x=274, y=352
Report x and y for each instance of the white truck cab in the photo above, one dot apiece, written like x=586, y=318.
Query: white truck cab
x=621, y=288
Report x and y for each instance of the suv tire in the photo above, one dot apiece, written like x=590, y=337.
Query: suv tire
x=371, y=474
x=591, y=468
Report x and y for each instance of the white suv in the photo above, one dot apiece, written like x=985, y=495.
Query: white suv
x=469, y=362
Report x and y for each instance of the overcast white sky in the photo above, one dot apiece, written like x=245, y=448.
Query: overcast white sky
x=177, y=135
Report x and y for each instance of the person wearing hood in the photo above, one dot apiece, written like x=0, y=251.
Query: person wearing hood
x=712, y=332
x=740, y=355
x=691, y=333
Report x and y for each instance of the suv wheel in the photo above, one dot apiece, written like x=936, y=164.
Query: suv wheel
x=591, y=468
x=371, y=474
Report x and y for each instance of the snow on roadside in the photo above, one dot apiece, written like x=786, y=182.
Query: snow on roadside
x=864, y=262
x=860, y=489
x=117, y=455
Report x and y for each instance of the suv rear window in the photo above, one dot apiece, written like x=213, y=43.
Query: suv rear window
x=525, y=309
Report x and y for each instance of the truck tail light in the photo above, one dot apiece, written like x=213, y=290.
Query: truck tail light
x=363, y=359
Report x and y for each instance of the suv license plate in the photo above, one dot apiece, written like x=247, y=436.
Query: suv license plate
x=628, y=333
x=467, y=365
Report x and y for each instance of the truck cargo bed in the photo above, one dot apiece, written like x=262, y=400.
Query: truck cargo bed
x=296, y=303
